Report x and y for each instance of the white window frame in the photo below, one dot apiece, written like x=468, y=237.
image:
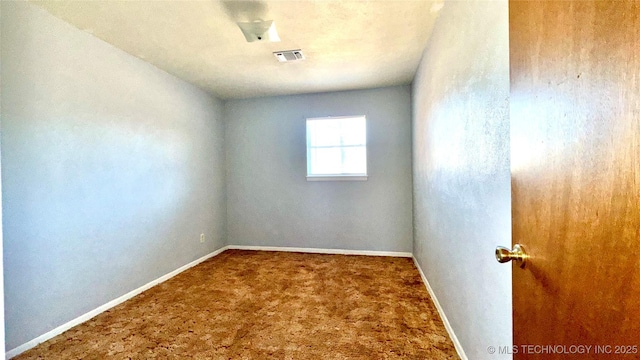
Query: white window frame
x=342, y=176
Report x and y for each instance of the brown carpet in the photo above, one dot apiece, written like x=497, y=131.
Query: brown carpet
x=269, y=305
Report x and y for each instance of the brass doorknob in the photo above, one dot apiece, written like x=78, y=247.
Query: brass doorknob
x=518, y=255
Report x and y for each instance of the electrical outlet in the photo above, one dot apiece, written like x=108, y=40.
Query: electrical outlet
x=201, y=238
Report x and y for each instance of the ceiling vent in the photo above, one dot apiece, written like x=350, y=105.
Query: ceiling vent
x=289, y=55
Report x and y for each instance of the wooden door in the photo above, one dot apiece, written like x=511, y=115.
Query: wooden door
x=575, y=141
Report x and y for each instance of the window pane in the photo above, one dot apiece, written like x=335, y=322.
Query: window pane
x=337, y=146
x=335, y=132
x=354, y=131
x=354, y=160
x=326, y=161
x=324, y=132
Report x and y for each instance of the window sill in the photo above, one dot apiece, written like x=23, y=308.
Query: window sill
x=337, y=177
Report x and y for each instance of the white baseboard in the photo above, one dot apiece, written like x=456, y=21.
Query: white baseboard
x=322, y=251
x=447, y=325
x=82, y=318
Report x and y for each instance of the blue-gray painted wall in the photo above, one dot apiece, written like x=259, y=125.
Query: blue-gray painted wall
x=461, y=171
x=111, y=170
x=270, y=203
x=2, y=332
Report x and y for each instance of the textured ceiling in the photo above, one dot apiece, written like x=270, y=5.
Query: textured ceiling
x=347, y=44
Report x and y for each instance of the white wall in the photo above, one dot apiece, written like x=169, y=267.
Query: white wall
x=269, y=201
x=111, y=169
x=461, y=176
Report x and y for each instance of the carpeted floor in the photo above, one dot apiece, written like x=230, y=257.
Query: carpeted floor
x=269, y=305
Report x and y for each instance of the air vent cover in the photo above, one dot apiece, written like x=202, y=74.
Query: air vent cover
x=289, y=55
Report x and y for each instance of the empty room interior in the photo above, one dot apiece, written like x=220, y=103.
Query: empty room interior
x=318, y=179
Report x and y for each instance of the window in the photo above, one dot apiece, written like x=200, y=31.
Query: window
x=337, y=148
